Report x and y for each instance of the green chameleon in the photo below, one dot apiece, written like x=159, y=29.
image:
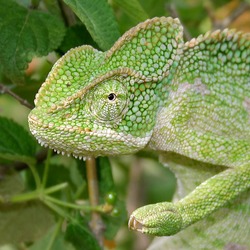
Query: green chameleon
x=190, y=102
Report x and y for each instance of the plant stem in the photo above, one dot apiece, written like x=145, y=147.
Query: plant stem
x=53, y=237
x=39, y=193
x=96, y=223
x=57, y=209
x=173, y=11
x=74, y=206
x=4, y=89
x=25, y=197
x=222, y=24
x=46, y=169
x=79, y=191
x=56, y=188
x=35, y=175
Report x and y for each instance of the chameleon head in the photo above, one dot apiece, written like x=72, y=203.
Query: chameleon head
x=104, y=103
x=102, y=116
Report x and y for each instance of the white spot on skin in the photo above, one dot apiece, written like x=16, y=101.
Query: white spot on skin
x=197, y=87
x=200, y=87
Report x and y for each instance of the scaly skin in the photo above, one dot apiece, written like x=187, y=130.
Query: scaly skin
x=152, y=90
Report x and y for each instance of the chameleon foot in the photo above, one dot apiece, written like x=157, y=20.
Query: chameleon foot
x=135, y=224
x=156, y=219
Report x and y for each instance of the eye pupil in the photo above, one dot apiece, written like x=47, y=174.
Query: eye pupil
x=112, y=96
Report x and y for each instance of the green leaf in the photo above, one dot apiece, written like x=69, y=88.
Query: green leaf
x=53, y=6
x=10, y=184
x=99, y=20
x=25, y=33
x=158, y=9
x=15, y=142
x=106, y=181
x=49, y=243
x=23, y=222
x=133, y=9
x=75, y=36
x=80, y=236
x=20, y=222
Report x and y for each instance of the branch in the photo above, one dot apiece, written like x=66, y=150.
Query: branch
x=174, y=13
x=135, y=198
x=222, y=24
x=5, y=90
x=96, y=223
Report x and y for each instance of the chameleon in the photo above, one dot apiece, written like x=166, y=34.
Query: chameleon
x=187, y=101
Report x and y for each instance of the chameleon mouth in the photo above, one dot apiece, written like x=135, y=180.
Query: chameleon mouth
x=34, y=121
x=36, y=125
x=63, y=137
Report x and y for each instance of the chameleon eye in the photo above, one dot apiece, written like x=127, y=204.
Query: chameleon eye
x=112, y=97
x=109, y=101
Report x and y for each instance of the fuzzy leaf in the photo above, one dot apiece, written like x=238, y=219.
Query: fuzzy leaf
x=15, y=142
x=133, y=9
x=10, y=184
x=25, y=33
x=23, y=222
x=58, y=242
x=99, y=20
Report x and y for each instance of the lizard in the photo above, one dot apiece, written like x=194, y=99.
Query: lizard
x=188, y=101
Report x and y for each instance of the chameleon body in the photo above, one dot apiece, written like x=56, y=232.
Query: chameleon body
x=190, y=102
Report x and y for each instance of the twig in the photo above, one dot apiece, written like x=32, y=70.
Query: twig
x=222, y=24
x=96, y=223
x=135, y=199
x=174, y=13
x=5, y=90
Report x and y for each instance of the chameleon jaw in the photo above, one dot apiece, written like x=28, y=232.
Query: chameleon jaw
x=103, y=142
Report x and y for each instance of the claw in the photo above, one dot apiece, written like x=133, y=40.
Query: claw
x=160, y=219
x=134, y=224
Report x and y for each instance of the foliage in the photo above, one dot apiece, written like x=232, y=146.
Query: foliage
x=24, y=34
x=44, y=202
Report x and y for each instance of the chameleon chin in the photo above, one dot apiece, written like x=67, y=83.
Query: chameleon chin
x=188, y=101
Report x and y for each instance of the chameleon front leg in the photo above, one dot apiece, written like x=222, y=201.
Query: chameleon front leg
x=169, y=218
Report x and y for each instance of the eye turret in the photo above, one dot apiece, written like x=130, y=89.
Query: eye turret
x=109, y=101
